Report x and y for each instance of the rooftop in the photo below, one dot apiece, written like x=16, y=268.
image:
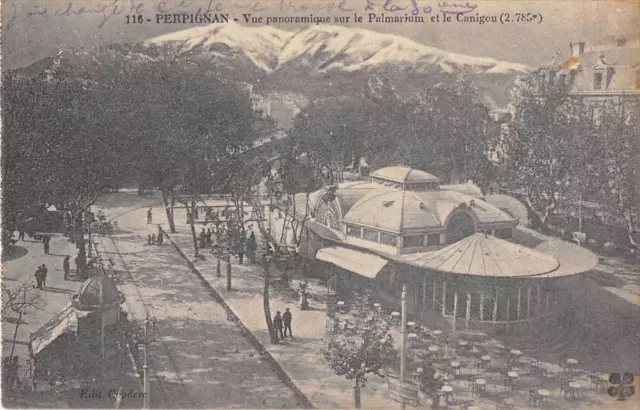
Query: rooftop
x=403, y=175
x=483, y=255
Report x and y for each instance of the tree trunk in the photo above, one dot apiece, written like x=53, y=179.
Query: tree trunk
x=218, y=268
x=356, y=393
x=228, y=271
x=266, y=306
x=168, y=207
x=82, y=255
x=192, y=224
x=15, y=333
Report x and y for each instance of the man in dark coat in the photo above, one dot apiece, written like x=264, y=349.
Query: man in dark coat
x=149, y=216
x=45, y=240
x=39, y=276
x=286, y=318
x=277, y=325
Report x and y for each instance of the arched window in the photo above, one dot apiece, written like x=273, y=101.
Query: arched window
x=460, y=226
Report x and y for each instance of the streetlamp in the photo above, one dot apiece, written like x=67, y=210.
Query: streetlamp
x=403, y=311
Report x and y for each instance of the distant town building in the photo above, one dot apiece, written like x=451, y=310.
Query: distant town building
x=283, y=108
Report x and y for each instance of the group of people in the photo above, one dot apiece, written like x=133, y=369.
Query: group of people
x=282, y=323
x=41, y=276
x=205, y=239
x=152, y=239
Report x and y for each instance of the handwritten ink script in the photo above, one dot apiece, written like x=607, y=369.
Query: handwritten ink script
x=18, y=12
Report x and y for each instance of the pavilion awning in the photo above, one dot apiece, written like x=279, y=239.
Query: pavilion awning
x=361, y=263
x=65, y=321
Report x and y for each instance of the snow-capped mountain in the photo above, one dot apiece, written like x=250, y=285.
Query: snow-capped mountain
x=327, y=47
x=338, y=59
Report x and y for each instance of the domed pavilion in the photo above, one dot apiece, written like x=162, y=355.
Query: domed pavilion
x=462, y=259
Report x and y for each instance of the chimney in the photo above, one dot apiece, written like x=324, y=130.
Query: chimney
x=577, y=48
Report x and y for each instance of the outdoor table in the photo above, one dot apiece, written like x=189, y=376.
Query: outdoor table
x=511, y=377
x=463, y=343
x=544, y=395
x=481, y=385
x=411, y=325
x=395, y=315
x=433, y=348
x=437, y=333
x=448, y=393
x=602, y=381
x=574, y=390
x=456, y=367
x=571, y=364
x=340, y=305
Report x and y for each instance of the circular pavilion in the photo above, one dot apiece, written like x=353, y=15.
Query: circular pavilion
x=463, y=259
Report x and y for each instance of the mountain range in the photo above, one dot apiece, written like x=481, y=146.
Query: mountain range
x=315, y=62
x=323, y=60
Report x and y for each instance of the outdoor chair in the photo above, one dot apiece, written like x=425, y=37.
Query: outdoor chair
x=534, y=397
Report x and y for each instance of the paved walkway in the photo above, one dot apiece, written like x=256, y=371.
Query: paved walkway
x=51, y=300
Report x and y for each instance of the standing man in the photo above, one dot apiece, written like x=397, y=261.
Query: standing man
x=286, y=318
x=45, y=240
x=277, y=325
x=38, y=276
x=66, y=267
x=149, y=216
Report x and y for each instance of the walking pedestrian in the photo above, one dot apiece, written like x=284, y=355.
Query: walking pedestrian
x=21, y=233
x=45, y=240
x=149, y=240
x=153, y=238
x=277, y=325
x=160, y=235
x=208, y=237
x=149, y=216
x=252, y=246
x=286, y=318
x=66, y=267
x=44, y=275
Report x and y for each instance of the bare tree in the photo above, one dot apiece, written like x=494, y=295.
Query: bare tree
x=19, y=300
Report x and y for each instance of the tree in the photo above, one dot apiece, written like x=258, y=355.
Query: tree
x=611, y=151
x=360, y=346
x=19, y=300
x=541, y=142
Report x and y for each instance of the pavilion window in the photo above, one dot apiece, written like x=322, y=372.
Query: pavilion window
x=413, y=241
x=504, y=233
x=370, y=235
x=433, y=239
x=597, y=81
x=388, y=239
x=354, y=231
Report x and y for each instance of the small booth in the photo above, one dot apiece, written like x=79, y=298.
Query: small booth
x=83, y=340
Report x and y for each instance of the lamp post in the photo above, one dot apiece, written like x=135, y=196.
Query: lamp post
x=403, y=311
x=145, y=367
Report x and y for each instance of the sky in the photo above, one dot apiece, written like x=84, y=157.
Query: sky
x=34, y=29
